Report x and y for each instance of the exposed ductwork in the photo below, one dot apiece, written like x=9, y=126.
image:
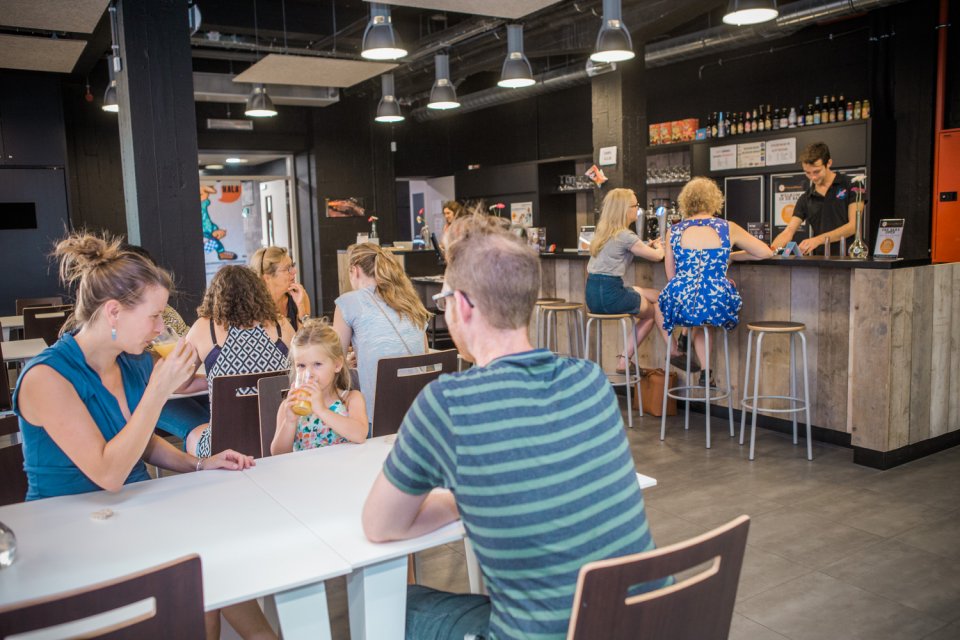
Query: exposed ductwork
x=220, y=87
x=792, y=18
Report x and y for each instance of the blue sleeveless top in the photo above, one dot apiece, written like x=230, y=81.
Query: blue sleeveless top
x=49, y=471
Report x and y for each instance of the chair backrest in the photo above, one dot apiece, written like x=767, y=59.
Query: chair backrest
x=13, y=480
x=162, y=602
x=400, y=379
x=6, y=403
x=699, y=606
x=234, y=414
x=45, y=322
x=270, y=391
x=23, y=303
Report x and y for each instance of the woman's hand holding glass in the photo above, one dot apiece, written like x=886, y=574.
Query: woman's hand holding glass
x=175, y=369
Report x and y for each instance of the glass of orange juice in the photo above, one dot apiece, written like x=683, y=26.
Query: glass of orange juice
x=164, y=343
x=303, y=406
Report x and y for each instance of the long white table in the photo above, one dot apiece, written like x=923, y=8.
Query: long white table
x=249, y=545
x=377, y=585
x=10, y=322
x=22, y=350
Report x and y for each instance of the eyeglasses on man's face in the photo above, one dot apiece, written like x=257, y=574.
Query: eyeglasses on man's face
x=441, y=299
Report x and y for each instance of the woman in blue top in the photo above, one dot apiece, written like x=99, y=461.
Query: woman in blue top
x=697, y=252
x=89, y=404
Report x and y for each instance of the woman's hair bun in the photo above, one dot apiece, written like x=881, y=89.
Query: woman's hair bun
x=82, y=252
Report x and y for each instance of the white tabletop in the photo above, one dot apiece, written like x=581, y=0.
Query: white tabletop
x=249, y=545
x=22, y=350
x=351, y=469
x=11, y=322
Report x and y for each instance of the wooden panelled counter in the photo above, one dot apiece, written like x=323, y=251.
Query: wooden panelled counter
x=883, y=344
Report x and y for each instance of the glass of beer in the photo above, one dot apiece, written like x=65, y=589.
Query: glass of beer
x=303, y=406
x=164, y=343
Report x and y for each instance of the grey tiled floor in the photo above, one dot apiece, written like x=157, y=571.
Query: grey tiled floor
x=835, y=550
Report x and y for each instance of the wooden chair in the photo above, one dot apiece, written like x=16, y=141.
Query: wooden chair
x=235, y=415
x=23, y=303
x=270, y=394
x=45, y=322
x=5, y=403
x=162, y=602
x=699, y=606
x=13, y=480
x=396, y=391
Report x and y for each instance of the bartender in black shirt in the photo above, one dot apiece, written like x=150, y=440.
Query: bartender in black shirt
x=829, y=206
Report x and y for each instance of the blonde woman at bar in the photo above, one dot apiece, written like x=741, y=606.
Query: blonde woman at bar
x=381, y=317
x=612, y=250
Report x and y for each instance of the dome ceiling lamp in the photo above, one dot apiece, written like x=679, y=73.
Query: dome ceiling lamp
x=443, y=95
x=379, y=38
x=516, y=71
x=614, y=43
x=746, y=12
x=389, y=109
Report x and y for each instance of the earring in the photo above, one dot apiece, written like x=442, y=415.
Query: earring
x=113, y=333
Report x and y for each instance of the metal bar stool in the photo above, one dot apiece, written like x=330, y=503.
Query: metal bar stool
x=538, y=318
x=684, y=391
x=628, y=335
x=574, y=312
x=797, y=404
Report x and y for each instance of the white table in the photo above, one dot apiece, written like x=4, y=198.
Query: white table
x=377, y=585
x=10, y=322
x=22, y=350
x=250, y=546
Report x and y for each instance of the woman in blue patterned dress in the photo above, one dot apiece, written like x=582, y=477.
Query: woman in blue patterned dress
x=697, y=252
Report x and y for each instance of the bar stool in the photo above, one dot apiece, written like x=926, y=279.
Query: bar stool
x=686, y=389
x=538, y=317
x=628, y=335
x=574, y=316
x=792, y=329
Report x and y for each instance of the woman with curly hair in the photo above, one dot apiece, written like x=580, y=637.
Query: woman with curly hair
x=237, y=332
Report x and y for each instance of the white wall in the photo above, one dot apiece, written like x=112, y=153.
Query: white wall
x=277, y=190
x=435, y=192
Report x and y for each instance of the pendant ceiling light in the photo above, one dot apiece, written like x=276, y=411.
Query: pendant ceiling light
x=443, y=95
x=379, y=39
x=389, y=109
x=259, y=104
x=114, y=64
x=741, y=12
x=516, y=71
x=613, y=42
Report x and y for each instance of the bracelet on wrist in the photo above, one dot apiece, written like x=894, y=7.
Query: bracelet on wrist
x=199, y=464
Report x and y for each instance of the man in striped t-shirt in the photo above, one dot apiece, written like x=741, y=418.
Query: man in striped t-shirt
x=530, y=445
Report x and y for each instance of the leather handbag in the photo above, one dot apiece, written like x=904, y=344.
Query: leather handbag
x=650, y=389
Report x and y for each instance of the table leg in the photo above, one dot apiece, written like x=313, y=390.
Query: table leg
x=301, y=612
x=378, y=600
x=474, y=575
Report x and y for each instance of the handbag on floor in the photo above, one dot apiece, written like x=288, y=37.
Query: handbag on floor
x=650, y=389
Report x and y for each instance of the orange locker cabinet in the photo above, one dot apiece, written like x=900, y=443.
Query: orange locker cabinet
x=946, y=213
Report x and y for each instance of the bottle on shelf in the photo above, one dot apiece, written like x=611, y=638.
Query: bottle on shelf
x=748, y=123
x=768, y=118
x=848, y=111
x=865, y=110
x=841, y=108
x=832, y=109
x=802, y=117
x=775, y=124
x=816, y=110
x=856, y=110
x=784, y=118
x=740, y=123
x=761, y=120
x=824, y=111
x=792, y=118
x=721, y=127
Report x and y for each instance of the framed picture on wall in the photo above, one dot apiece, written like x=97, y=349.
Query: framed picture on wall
x=352, y=207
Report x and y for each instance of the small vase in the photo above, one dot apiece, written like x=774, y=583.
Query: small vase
x=859, y=250
x=374, y=237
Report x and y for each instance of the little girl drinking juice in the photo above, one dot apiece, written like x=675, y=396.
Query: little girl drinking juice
x=334, y=413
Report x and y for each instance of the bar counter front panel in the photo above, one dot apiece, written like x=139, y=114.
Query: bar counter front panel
x=883, y=343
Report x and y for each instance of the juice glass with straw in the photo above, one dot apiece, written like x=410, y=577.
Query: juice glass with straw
x=164, y=343
x=303, y=406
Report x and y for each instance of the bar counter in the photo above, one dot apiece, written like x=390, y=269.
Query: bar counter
x=883, y=344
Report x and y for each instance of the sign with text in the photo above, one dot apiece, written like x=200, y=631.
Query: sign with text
x=608, y=156
x=782, y=151
x=786, y=189
x=750, y=154
x=889, y=234
x=723, y=158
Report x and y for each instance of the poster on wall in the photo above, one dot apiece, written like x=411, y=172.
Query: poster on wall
x=785, y=190
x=346, y=208
x=521, y=213
x=222, y=221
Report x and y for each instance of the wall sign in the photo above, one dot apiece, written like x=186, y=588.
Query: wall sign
x=723, y=158
x=750, y=154
x=782, y=151
x=608, y=156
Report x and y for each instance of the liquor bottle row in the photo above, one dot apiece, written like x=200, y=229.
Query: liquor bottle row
x=767, y=118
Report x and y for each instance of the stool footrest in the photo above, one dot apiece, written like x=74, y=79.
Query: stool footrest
x=671, y=393
x=799, y=404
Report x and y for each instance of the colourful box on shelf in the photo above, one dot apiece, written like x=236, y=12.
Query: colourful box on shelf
x=688, y=129
x=665, y=133
x=701, y=134
x=654, y=134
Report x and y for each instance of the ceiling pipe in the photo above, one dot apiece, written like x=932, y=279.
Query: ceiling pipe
x=793, y=17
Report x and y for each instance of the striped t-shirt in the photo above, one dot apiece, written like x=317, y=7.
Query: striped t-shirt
x=533, y=448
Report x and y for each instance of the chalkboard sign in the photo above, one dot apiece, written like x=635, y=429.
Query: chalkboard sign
x=743, y=199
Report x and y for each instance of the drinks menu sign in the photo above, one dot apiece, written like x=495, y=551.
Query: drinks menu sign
x=750, y=155
x=723, y=158
x=889, y=234
x=782, y=151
